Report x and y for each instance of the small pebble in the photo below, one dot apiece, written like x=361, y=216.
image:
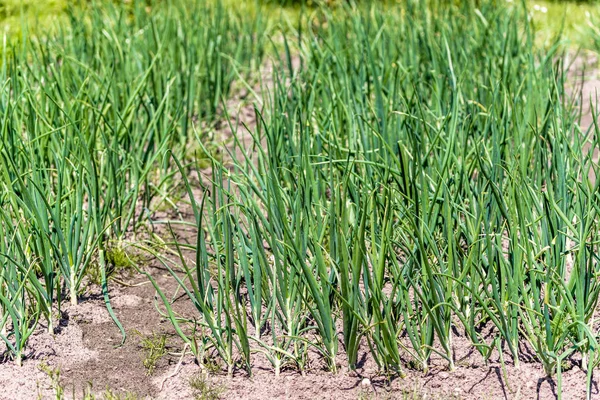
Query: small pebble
x=366, y=382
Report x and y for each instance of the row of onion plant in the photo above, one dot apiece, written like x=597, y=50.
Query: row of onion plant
x=419, y=177
x=87, y=116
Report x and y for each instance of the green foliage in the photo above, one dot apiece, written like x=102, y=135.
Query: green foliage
x=412, y=174
x=423, y=173
x=88, y=117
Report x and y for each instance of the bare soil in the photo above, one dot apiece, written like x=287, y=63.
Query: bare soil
x=584, y=85
x=86, y=353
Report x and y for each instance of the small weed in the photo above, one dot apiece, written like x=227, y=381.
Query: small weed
x=54, y=375
x=154, y=346
x=110, y=395
x=204, y=389
x=88, y=394
x=211, y=365
x=364, y=395
x=118, y=260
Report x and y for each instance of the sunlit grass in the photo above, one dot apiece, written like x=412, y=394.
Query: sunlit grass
x=34, y=15
x=550, y=18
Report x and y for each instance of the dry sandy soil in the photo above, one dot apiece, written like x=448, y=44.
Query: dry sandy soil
x=85, y=351
x=83, y=355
